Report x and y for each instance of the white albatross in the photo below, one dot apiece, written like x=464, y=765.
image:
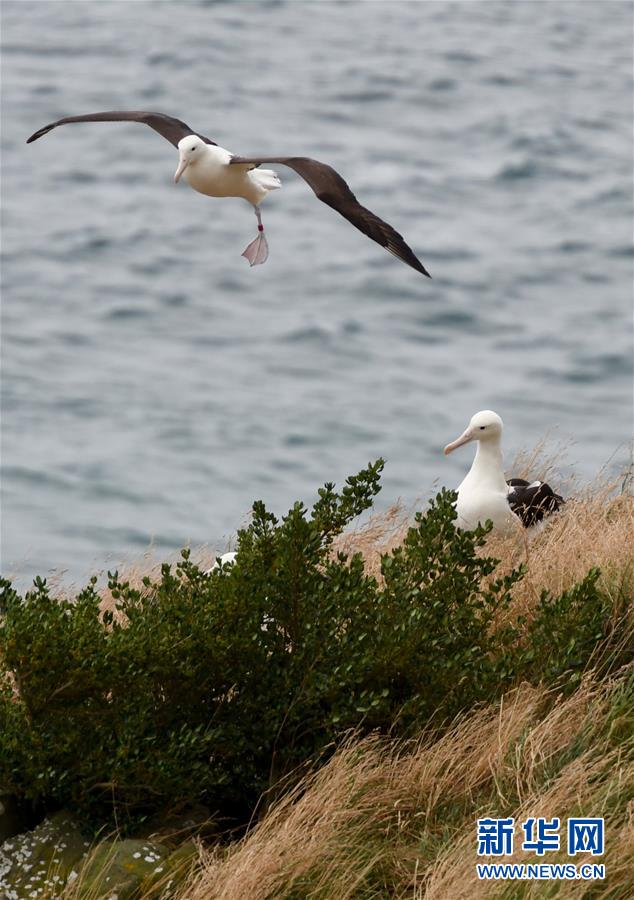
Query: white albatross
x=216, y=172
x=227, y=559
x=486, y=494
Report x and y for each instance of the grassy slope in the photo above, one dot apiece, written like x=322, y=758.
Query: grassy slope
x=398, y=820
x=387, y=820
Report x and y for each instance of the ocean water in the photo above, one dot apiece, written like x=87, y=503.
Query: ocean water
x=153, y=385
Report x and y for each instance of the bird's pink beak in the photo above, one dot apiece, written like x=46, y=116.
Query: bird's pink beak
x=464, y=438
x=182, y=165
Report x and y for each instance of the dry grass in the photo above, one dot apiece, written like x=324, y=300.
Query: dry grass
x=383, y=819
x=387, y=820
x=595, y=528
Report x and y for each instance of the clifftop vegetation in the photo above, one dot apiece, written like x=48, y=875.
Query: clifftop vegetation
x=323, y=654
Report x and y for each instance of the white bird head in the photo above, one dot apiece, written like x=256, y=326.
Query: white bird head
x=485, y=426
x=189, y=149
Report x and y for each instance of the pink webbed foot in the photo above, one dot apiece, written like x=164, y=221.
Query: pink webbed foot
x=257, y=252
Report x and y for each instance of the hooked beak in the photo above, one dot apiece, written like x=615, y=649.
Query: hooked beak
x=182, y=165
x=464, y=438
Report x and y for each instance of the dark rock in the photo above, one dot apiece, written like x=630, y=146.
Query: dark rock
x=118, y=868
x=14, y=817
x=171, y=874
x=47, y=858
x=174, y=827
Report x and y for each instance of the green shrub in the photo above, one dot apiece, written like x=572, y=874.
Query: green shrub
x=566, y=633
x=212, y=687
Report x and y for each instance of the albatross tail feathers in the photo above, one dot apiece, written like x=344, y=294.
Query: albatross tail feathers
x=266, y=179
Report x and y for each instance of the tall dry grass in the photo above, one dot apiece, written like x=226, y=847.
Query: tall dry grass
x=595, y=528
x=392, y=820
x=384, y=819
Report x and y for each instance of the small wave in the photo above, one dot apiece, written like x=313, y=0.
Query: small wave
x=285, y=464
x=500, y=80
x=367, y=96
x=296, y=440
x=611, y=195
x=451, y=254
x=310, y=334
x=36, y=477
x=123, y=536
x=607, y=364
x=126, y=313
x=535, y=168
x=597, y=369
x=581, y=376
x=331, y=115
x=45, y=90
x=109, y=490
x=351, y=326
x=162, y=59
x=592, y=124
x=95, y=244
x=451, y=319
x=595, y=277
x=78, y=176
x=422, y=337
x=573, y=247
x=517, y=171
x=175, y=300
x=462, y=56
x=442, y=84
x=152, y=91
x=74, y=339
x=81, y=407
x=622, y=251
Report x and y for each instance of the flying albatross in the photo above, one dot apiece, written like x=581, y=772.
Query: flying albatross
x=216, y=172
x=486, y=494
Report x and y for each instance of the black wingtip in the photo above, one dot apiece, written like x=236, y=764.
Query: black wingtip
x=40, y=133
x=408, y=256
x=415, y=263
x=405, y=254
x=420, y=267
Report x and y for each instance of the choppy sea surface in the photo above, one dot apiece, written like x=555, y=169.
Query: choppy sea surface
x=153, y=385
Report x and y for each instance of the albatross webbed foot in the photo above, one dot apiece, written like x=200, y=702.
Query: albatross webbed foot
x=257, y=252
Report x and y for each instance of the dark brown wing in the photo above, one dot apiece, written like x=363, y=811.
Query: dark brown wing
x=173, y=130
x=531, y=502
x=330, y=188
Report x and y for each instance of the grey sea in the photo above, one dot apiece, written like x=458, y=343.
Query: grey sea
x=153, y=385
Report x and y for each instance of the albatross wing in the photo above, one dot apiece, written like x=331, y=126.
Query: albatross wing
x=532, y=501
x=173, y=130
x=330, y=188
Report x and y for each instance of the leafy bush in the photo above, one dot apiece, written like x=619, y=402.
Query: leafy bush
x=212, y=687
x=567, y=632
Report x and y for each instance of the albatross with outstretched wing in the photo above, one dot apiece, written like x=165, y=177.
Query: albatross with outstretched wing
x=214, y=171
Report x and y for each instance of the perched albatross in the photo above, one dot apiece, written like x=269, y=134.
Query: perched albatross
x=216, y=172
x=227, y=559
x=486, y=494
